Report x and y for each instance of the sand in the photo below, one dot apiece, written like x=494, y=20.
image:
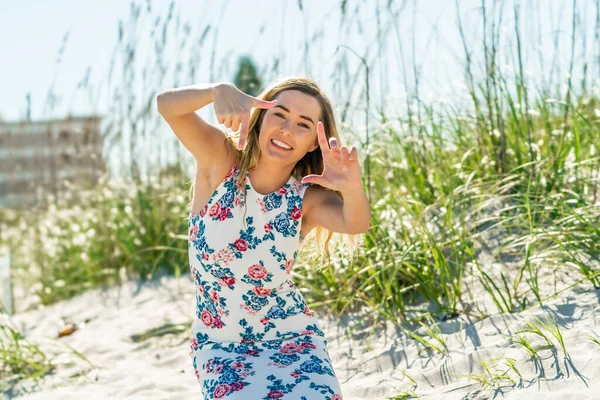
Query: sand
x=372, y=364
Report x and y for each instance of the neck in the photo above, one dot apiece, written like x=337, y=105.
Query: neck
x=268, y=177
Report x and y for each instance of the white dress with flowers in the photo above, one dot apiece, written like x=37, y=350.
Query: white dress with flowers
x=254, y=336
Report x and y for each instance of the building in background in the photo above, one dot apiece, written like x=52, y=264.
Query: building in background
x=38, y=157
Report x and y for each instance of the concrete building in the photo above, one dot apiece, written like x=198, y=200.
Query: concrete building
x=39, y=156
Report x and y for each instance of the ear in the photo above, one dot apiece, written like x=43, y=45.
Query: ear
x=313, y=148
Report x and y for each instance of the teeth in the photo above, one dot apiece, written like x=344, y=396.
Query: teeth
x=280, y=144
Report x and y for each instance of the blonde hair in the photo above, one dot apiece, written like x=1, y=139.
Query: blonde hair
x=311, y=163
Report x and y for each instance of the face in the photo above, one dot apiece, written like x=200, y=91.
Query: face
x=292, y=121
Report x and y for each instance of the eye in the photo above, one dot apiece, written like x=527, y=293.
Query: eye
x=279, y=114
x=304, y=126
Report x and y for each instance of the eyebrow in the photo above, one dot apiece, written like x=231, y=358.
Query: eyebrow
x=302, y=116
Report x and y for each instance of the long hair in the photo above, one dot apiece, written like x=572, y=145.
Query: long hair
x=311, y=163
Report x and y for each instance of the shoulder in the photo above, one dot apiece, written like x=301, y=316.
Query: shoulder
x=317, y=196
x=220, y=171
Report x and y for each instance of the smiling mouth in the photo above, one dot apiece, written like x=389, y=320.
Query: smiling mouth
x=280, y=145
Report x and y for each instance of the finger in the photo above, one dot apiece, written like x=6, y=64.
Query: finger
x=323, y=144
x=241, y=143
x=228, y=120
x=344, y=154
x=235, y=124
x=313, y=178
x=244, y=126
x=353, y=153
x=258, y=103
x=221, y=119
x=333, y=142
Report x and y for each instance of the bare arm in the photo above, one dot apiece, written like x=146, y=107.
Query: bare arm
x=352, y=215
x=178, y=107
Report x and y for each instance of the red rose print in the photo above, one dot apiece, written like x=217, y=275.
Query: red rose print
x=290, y=348
x=275, y=394
x=214, y=295
x=336, y=397
x=252, y=352
x=218, y=323
x=296, y=213
x=263, y=206
x=214, y=210
x=229, y=281
x=207, y=318
x=205, y=256
x=268, y=227
x=237, y=385
x=261, y=291
x=223, y=214
x=241, y=244
x=237, y=365
x=264, y=321
x=257, y=271
x=203, y=211
x=309, y=332
x=289, y=264
x=222, y=390
x=193, y=232
x=307, y=345
x=283, y=190
x=295, y=374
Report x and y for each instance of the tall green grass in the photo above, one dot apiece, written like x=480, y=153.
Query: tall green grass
x=20, y=359
x=478, y=207
x=98, y=237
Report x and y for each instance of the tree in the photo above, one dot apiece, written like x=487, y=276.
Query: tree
x=246, y=78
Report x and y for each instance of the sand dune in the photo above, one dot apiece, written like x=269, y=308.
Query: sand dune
x=370, y=364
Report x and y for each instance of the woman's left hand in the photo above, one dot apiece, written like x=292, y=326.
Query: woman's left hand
x=341, y=170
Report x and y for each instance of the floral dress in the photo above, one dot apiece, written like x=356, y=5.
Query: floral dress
x=254, y=336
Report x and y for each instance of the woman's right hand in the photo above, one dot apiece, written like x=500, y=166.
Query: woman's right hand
x=232, y=107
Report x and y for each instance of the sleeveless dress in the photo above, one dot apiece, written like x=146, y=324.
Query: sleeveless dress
x=254, y=336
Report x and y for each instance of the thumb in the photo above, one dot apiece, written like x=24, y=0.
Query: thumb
x=244, y=129
x=258, y=103
x=312, y=178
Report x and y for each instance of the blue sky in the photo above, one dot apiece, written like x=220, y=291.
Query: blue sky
x=32, y=31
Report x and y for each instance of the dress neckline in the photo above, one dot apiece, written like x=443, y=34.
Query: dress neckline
x=290, y=180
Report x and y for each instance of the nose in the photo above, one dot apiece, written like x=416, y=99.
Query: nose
x=286, y=126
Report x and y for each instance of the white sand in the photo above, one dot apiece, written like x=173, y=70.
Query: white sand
x=368, y=368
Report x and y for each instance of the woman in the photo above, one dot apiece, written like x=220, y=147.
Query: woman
x=253, y=204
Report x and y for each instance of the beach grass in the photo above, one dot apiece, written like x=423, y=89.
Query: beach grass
x=20, y=359
x=483, y=207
